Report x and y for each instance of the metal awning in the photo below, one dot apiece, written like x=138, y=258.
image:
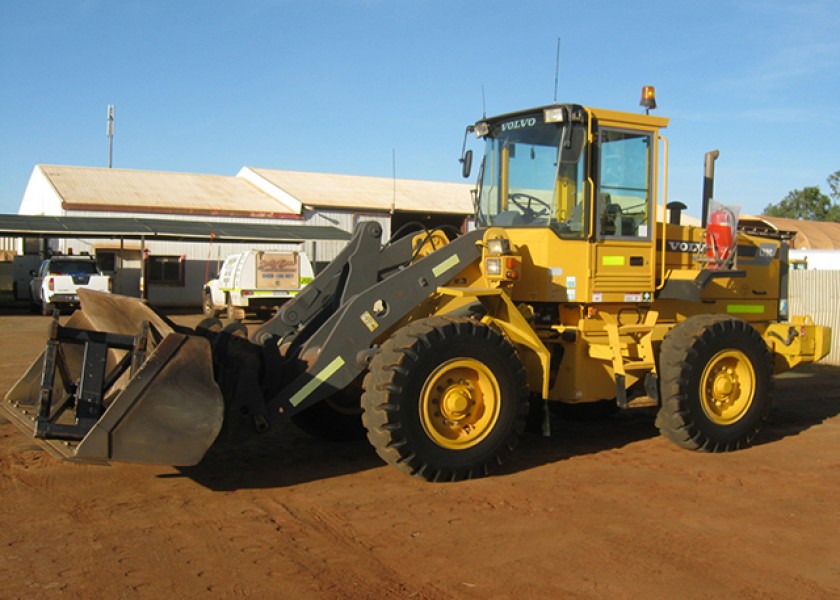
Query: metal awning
x=163, y=229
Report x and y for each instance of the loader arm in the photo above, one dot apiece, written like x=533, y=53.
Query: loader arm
x=339, y=350
x=360, y=265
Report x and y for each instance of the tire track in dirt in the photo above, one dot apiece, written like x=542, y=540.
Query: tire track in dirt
x=328, y=547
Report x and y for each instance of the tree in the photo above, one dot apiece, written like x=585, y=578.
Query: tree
x=809, y=204
x=834, y=183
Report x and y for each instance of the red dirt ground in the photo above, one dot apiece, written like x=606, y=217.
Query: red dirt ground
x=602, y=509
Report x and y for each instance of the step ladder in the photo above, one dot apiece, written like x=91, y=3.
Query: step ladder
x=642, y=334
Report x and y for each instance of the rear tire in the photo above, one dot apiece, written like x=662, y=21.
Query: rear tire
x=445, y=399
x=716, y=384
x=47, y=308
x=231, y=311
x=336, y=419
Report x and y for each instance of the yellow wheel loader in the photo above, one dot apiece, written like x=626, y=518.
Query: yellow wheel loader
x=578, y=285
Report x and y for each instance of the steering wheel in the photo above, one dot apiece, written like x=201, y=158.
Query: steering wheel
x=525, y=205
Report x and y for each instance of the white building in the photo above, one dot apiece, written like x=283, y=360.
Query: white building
x=175, y=270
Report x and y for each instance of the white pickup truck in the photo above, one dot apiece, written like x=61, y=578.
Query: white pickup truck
x=255, y=281
x=55, y=283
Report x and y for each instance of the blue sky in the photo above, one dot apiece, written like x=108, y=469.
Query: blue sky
x=343, y=85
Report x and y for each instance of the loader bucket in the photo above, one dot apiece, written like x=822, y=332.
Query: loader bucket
x=120, y=382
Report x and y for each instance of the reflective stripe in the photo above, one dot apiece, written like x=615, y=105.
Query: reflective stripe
x=317, y=380
x=278, y=293
x=613, y=261
x=443, y=267
x=253, y=292
x=750, y=309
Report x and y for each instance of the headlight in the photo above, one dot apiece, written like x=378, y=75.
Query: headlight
x=493, y=266
x=498, y=246
x=553, y=115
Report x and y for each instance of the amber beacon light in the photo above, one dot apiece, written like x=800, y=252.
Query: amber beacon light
x=648, y=98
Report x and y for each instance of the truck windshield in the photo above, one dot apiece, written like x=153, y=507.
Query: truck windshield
x=521, y=184
x=73, y=267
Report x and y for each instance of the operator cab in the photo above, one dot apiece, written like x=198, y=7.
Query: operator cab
x=561, y=165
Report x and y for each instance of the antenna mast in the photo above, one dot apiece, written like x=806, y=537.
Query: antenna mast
x=556, y=70
x=110, y=132
x=394, y=179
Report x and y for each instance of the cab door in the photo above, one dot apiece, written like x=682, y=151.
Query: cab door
x=623, y=253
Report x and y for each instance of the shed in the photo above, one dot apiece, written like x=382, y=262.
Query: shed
x=817, y=235
x=254, y=196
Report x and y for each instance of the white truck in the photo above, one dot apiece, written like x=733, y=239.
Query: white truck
x=56, y=282
x=255, y=281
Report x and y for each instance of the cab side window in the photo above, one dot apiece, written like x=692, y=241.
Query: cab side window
x=624, y=198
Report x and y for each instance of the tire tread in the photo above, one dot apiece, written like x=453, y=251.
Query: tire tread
x=679, y=358
x=383, y=386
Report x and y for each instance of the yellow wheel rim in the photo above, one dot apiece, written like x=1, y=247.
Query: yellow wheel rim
x=727, y=387
x=459, y=404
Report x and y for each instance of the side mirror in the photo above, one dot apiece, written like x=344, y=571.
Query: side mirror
x=466, y=163
x=573, y=145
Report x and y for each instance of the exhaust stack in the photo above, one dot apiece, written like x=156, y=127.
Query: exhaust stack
x=708, y=183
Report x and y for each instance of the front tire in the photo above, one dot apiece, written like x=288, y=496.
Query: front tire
x=207, y=307
x=445, y=399
x=716, y=384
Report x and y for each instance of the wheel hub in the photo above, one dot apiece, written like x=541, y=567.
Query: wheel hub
x=460, y=403
x=727, y=387
x=456, y=402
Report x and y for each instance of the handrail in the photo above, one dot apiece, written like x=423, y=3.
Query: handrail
x=664, y=241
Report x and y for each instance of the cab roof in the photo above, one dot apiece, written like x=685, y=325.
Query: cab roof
x=600, y=114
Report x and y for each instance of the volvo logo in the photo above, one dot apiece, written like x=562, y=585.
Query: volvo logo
x=519, y=124
x=683, y=246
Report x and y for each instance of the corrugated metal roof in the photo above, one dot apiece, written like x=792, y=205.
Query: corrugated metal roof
x=163, y=229
x=818, y=235
x=91, y=188
x=373, y=193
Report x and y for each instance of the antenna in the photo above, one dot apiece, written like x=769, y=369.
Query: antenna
x=110, y=132
x=394, y=177
x=483, y=103
x=556, y=70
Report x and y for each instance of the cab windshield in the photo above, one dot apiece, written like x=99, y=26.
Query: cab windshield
x=72, y=267
x=523, y=183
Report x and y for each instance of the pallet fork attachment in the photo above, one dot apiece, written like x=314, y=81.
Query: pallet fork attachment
x=101, y=392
